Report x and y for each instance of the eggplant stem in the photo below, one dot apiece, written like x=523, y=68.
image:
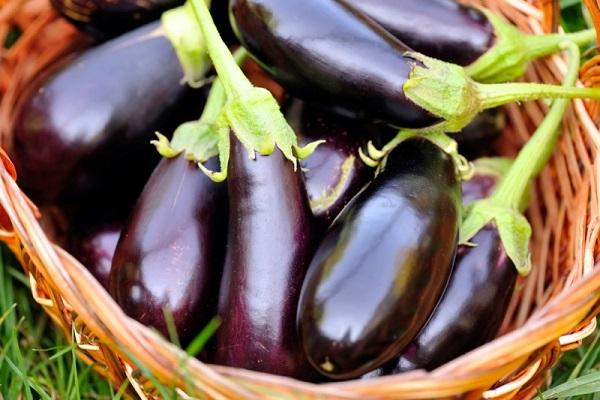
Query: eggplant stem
x=538, y=150
x=544, y=45
x=233, y=78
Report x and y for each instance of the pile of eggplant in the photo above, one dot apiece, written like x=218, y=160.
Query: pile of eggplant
x=330, y=235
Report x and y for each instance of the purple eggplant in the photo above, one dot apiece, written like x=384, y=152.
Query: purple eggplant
x=441, y=29
x=476, y=140
x=333, y=173
x=270, y=244
x=170, y=255
x=323, y=51
x=94, y=246
x=108, y=18
x=380, y=270
x=474, y=304
x=82, y=131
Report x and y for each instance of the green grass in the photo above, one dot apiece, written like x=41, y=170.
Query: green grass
x=35, y=360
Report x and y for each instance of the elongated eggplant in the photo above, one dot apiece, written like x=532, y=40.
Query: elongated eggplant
x=491, y=49
x=170, y=255
x=270, y=244
x=83, y=130
x=474, y=304
x=441, y=29
x=325, y=52
x=108, y=18
x=383, y=265
x=94, y=247
x=334, y=173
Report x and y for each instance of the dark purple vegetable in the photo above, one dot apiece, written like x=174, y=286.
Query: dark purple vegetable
x=108, y=18
x=82, y=131
x=94, y=247
x=476, y=140
x=441, y=29
x=270, y=244
x=304, y=45
x=170, y=255
x=474, y=304
x=333, y=173
x=491, y=49
x=383, y=265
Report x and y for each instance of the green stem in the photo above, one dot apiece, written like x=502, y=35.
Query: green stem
x=496, y=94
x=544, y=45
x=232, y=77
x=538, y=150
x=217, y=95
x=512, y=50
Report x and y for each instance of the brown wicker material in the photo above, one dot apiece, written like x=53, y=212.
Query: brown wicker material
x=552, y=310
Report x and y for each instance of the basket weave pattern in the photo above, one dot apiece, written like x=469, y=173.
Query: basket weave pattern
x=552, y=310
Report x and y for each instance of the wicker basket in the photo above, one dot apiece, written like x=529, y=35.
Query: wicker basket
x=552, y=310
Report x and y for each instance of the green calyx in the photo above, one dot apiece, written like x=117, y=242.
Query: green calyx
x=376, y=158
x=445, y=90
x=509, y=199
x=198, y=140
x=251, y=113
x=510, y=55
x=186, y=38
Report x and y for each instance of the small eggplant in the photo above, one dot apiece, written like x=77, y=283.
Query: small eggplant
x=380, y=270
x=82, y=131
x=270, y=244
x=441, y=29
x=354, y=63
x=474, y=304
x=333, y=173
x=94, y=247
x=170, y=255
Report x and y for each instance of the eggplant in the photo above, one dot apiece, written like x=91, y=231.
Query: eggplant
x=271, y=241
x=94, y=247
x=442, y=29
x=108, y=18
x=333, y=173
x=490, y=49
x=354, y=63
x=474, y=304
x=170, y=255
x=380, y=270
x=477, y=138
x=104, y=19
x=82, y=131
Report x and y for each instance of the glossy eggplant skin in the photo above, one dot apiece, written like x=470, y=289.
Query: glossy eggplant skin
x=441, y=29
x=108, y=18
x=474, y=303
x=270, y=244
x=333, y=173
x=171, y=252
x=326, y=52
x=472, y=308
x=477, y=139
x=82, y=131
x=380, y=270
x=94, y=247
